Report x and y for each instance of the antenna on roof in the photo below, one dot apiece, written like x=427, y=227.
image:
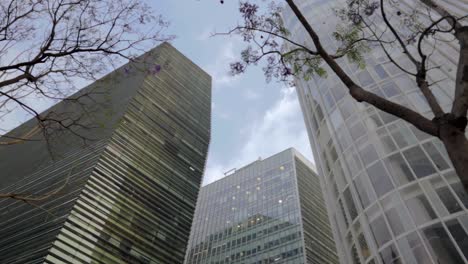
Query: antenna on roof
x=231, y=170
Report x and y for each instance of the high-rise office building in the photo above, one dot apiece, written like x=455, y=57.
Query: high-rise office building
x=127, y=193
x=270, y=211
x=391, y=192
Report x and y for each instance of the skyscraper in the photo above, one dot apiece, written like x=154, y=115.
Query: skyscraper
x=391, y=192
x=270, y=211
x=127, y=193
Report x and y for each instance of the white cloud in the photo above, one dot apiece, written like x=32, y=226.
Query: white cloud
x=213, y=172
x=206, y=33
x=219, y=69
x=251, y=95
x=281, y=127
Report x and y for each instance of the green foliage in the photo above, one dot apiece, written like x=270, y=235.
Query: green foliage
x=352, y=44
x=305, y=65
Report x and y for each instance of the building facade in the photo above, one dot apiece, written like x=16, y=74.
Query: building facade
x=127, y=193
x=270, y=211
x=391, y=191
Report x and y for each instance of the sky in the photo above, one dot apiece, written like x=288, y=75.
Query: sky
x=250, y=117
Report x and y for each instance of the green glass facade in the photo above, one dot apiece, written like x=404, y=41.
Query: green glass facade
x=270, y=211
x=129, y=194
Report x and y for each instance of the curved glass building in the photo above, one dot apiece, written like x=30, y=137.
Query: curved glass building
x=391, y=192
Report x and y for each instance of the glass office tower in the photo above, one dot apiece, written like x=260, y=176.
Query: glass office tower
x=270, y=211
x=127, y=193
x=390, y=190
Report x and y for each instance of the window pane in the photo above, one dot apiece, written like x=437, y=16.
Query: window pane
x=357, y=130
x=380, y=179
x=448, y=199
x=368, y=154
x=380, y=231
x=418, y=205
x=387, y=118
x=390, y=255
x=461, y=193
x=418, y=133
x=440, y=245
x=419, y=162
x=402, y=134
x=413, y=250
x=339, y=91
x=365, y=252
x=404, y=82
x=435, y=155
x=419, y=101
x=391, y=68
x=347, y=108
x=459, y=234
x=363, y=188
x=350, y=204
x=336, y=119
x=399, y=169
x=420, y=209
x=390, y=89
x=329, y=102
x=365, y=78
x=380, y=71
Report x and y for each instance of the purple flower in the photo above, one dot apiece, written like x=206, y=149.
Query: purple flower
x=155, y=69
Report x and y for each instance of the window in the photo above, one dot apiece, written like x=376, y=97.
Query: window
x=390, y=255
x=448, y=199
x=404, y=82
x=343, y=138
x=394, y=217
x=364, y=190
x=368, y=154
x=350, y=203
x=397, y=217
x=419, y=162
x=435, y=155
x=380, y=71
x=440, y=245
x=386, y=145
x=336, y=119
x=390, y=89
x=391, y=68
x=380, y=230
x=365, y=78
x=339, y=91
x=418, y=205
x=459, y=234
x=374, y=121
x=418, y=133
x=365, y=252
x=419, y=101
x=380, y=179
x=357, y=130
x=461, y=193
x=329, y=102
x=347, y=108
x=399, y=169
x=386, y=118
x=412, y=249
x=402, y=134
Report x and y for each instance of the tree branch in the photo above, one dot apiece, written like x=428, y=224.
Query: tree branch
x=358, y=92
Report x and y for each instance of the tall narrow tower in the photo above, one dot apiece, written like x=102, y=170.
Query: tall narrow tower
x=270, y=211
x=127, y=193
x=392, y=194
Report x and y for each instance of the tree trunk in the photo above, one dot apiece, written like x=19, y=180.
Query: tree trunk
x=456, y=145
